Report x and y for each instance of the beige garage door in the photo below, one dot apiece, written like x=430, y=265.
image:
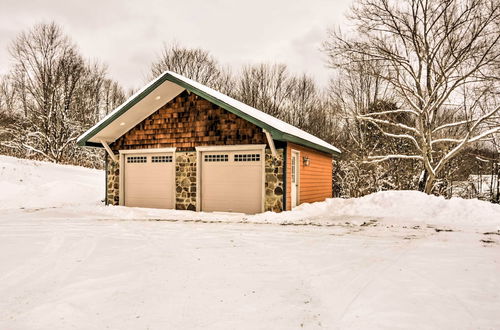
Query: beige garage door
x=232, y=181
x=149, y=180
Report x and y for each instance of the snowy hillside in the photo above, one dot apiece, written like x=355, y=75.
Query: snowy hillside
x=32, y=184
x=391, y=260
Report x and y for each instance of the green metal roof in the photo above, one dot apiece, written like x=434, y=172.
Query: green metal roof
x=279, y=130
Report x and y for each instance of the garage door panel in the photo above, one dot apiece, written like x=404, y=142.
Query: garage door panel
x=235, y=206
x=152, y=194
x=238, y=185
x=149, y=184
x=149, y=180
x=233, y=203
x=150, y=202
x=227, y=176
x=232, y=181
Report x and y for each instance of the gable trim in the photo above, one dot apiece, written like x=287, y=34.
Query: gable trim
x=83, y=140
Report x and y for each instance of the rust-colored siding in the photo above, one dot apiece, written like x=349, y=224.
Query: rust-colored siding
x=189, y=121
x=315, y=180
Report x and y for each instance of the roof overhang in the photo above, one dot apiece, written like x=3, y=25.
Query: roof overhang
x=137, y=108
x=162, y=90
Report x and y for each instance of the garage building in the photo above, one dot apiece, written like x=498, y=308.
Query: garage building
x=178, y=144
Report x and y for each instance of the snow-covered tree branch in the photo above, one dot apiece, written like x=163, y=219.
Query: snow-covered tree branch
x=441, y=59
x=56, y=94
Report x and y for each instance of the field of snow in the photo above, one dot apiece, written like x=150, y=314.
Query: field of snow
x=394, y=260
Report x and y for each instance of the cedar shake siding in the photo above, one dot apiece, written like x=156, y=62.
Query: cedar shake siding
x=189, y=121
x=315, y=180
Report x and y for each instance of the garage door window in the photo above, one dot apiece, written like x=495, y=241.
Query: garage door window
x=161, y=159
x=216, y=158
x=136, y=159
x=247, y=157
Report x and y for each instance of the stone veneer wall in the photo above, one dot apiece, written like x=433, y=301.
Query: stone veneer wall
x=185, y=180
x=113, y=182
x=274, y=181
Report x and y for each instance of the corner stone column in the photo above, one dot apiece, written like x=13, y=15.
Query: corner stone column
x=274, y=181
x=113, y=182
x=185, y=180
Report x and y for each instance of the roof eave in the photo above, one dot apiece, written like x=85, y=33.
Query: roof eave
x=91, y=144
x=305, y=143
x=83, y=140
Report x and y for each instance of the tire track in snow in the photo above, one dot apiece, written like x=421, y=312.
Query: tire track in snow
x=49, y=269
x=370, y=275
x=20, y=273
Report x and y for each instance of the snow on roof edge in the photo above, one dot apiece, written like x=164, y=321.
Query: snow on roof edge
x=257, y=114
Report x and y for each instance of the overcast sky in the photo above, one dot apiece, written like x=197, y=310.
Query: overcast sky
x=128, y=35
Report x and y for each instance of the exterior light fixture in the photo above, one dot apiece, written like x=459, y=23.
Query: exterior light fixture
x=122, y=123
x=306, y=161
x=158, y=97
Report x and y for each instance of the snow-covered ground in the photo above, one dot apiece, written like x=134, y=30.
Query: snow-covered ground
x=389, y=260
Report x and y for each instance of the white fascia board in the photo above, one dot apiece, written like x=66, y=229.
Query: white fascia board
x=235, y=147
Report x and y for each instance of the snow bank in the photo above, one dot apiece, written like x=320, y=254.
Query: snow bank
x=76, y=192
x=32, y=184
x=402, y=206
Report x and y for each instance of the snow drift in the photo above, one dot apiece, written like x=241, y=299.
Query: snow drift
x=77, y=192
x=407, y=206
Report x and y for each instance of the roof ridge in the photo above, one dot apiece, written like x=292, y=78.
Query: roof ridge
x=225, y=98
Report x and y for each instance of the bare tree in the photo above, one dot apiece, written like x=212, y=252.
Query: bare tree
x=304, y=103
x=266, y=87
x=7, y=94
x=7, y=115
x=439, y=58
x=194, y=63
x=46, y=72
x=355, y=90
x=58, y=94
x=113, y=96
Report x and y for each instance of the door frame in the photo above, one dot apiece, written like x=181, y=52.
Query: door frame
x=121, y=179
x=295, y=153
x=237, y=147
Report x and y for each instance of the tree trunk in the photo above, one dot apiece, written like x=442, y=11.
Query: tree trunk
x=429, y=184
x=422, y=180
x=498, y=182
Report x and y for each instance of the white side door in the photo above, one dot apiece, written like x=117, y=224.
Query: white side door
x=295, y=178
